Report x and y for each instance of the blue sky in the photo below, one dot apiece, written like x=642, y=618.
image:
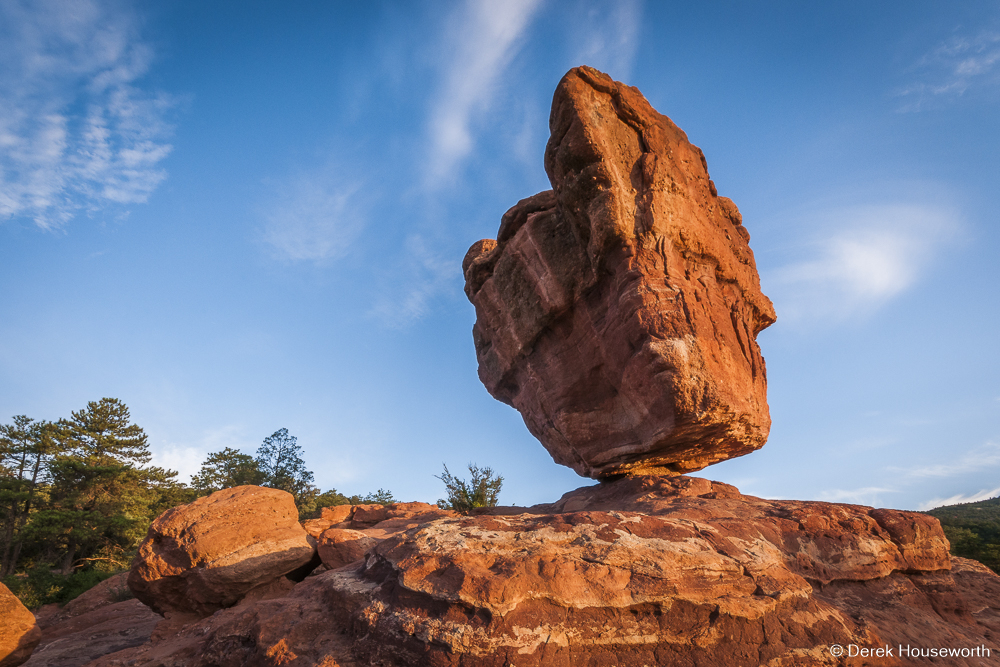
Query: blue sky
x=238, y=217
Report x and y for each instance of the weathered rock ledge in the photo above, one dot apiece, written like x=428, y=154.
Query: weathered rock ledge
x=639, y=571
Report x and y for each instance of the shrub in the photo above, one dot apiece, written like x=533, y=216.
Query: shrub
x=483, y=490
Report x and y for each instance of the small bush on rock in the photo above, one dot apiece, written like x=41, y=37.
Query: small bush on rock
x=483, y=490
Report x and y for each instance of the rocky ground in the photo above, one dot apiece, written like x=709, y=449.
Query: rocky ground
x=637, y=571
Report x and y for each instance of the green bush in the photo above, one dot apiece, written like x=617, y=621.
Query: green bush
x=483, y=490
x=40, y=586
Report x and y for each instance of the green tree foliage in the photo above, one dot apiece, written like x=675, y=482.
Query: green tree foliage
x=77, y=494
x=332, y=498
x=279, y=459
x=380, y=497
x=482, y=490
x=226, y=469
x=26, y=450
x=973, y=529
x=103, y=490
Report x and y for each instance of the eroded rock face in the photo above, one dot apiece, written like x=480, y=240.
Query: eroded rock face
x=19, y=634
x=93, y=625
x=619, y=312
x=207, y=555
x=636, y=572
x=641, y=571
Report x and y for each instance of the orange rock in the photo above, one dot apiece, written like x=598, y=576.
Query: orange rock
x=639, y=571
x=619, y=312
x=369, y=524
x=338, y=547
x=19, y=634
x=337, y=513
x=207, y=555
x=315, y=527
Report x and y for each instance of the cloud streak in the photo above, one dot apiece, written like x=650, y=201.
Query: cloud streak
x=77, y=132
x=868, y=495
x=953, y=68
x=486, y=37
x=186, y=459
x=607, y=36
x=314, y=216
x=877, y=253
x=426, y=272
x=986, y=456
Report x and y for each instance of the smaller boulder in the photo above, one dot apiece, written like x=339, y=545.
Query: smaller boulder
x=19, y=634
x=337, y=513
x=341, y=546
x=208, y=555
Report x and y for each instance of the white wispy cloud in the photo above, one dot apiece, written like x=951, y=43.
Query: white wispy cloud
x=953, y=68
x=876, y=253
x=606, y=35
x=985, y=494
x=425, y=272
x=980, y=458
x=483, y=37
x=868, y=495
x=314, y=216
x=77, y=131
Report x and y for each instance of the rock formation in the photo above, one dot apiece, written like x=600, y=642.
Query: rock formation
x=99, y=622
x=644, y=570
x=19, y=634
x=619, y=311
x=208, y=555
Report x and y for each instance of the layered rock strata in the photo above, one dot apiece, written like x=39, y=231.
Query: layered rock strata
x=640, y=571
x=619, y=311
x=209, y=554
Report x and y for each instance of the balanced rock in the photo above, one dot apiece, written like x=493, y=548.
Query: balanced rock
x=209, y=554
x=19, y=634
x=619, y=311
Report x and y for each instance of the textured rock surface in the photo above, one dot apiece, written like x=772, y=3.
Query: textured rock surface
x=619, y=312
x=643, y=571
x=207, y=555
x=19, y=634
x=640, y=571
x=82, y=634
x=338, y=547
x=300, y=630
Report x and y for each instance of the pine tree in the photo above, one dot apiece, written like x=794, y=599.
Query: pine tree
x=26, y=450
x=279, y=460
x=226, y=469
x=103, y=490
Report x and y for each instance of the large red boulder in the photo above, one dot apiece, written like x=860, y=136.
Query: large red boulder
x=619, y=311
x=19, y=634
x=209, y=554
